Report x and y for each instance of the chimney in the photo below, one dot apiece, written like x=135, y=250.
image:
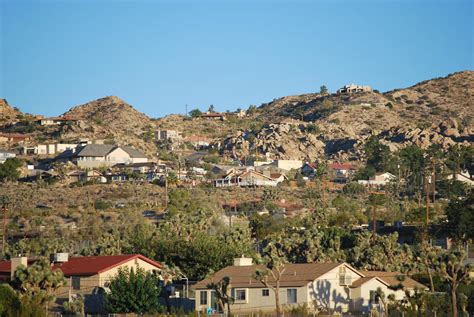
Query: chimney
x=15, y=263
x=243, y=261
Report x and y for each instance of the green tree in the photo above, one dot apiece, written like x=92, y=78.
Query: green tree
x=378, y=155
x=9, y=302
x=134, y=291
x=461, y=218
x=9, y=169
x=211, y=109
x=455, y=272
x=195, y=113
x=251, y=110
x=323, y=90
x=37, y=283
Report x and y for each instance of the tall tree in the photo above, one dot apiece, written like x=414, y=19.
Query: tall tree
x=452, y=269
x=323, y=90
x=461, y=217
x=274, y=261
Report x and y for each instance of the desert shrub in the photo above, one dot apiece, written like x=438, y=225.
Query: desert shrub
x=389, y=105
x=100, y=204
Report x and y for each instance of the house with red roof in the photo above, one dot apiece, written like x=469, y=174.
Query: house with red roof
x=88, y=276
x=342, y=171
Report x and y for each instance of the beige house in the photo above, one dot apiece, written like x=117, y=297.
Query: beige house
x=352, y=88
x=379, y=179
x=248, y=179
x=336, y=287
x=100, y=155
x=88, y=276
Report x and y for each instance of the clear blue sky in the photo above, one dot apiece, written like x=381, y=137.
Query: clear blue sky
x=161, y=55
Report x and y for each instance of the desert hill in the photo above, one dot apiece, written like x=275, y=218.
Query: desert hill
x=112, y=119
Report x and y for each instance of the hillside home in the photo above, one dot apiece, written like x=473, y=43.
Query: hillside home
x=379, y=179
x=4, y=155
x=247, y=178
x=198, y=141
x=49, y=149
x=165, y=135
x=309, y=169
x=79, y=176
x=88, y=276
x=338, y=287
x=97, y=155
x=342, y=171
x=13, y=138
x=352, y=88
x=218, y=116
x=61, y=120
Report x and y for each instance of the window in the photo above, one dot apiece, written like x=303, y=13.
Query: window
x=374, y=297
x=345, y=278
x=240, y=295
x=76, y=282
x=291, y=297
x=203, y=297
x=265, y=292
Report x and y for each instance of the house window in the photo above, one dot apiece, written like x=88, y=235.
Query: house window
x=76, y=282
x=203, y=297
x=345, y=278
x=241, y=295
x=265, y=292
x=291, y=297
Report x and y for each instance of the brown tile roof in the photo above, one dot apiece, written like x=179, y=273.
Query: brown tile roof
x=361, y=281
x=391, y=279
x=294, y=275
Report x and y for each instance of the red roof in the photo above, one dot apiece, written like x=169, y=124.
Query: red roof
x=89, y=265
x=342, y=166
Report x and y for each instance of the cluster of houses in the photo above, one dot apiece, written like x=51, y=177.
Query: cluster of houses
x=337, y=287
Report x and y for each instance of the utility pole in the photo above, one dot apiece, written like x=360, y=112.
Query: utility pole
x=427, y=184
x=186, y=115
x=374, y=221
x=434, y=181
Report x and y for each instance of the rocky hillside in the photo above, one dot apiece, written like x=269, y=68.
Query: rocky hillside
x=337, y=125
x=112, y=119
x=7, y=112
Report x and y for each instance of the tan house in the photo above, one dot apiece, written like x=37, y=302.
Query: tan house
x=247, y=179
x=99, y=155
x=88, y=276
x=218, y=116
x=337, y=287
x=61, y=120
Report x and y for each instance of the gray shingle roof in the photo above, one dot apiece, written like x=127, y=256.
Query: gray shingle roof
x=96, y=150
x=134, y=153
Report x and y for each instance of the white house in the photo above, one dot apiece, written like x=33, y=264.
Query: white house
x=338, y=287
x=379, y=179
x=463, y=177
x=4, y=155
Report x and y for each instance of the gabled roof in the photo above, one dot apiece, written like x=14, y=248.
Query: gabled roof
x=97, y=150
x=342, y=166
x=294, y=275
x=88, y=265
x=134, y=153
x=392, y=279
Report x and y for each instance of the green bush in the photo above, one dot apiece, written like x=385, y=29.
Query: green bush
x=100, y=204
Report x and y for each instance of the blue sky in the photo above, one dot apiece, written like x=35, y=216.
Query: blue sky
x=161, y=55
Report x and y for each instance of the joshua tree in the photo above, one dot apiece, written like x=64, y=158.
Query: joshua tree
x=274, y=261
x=222, y=291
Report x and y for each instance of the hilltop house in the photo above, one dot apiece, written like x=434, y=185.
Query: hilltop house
x=97, y=155
x=338, y=287
x=4, y=155
x=379, y=179
x=352, y=88
x=88, y=276
x=218, y=116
